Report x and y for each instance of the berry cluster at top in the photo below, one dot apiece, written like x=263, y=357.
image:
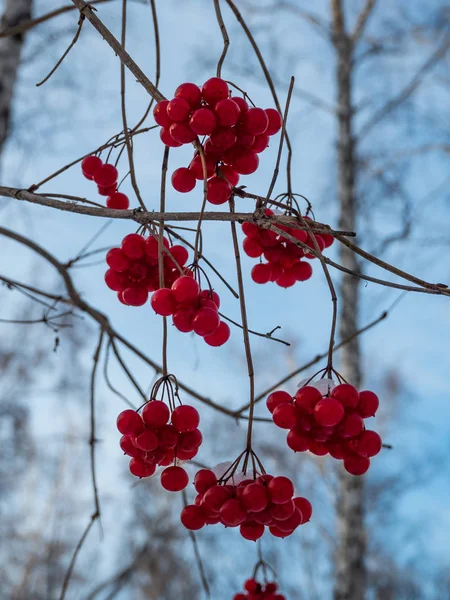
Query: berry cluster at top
x=152, y=441
x=284, y=263
x=331, y=423
x=235, y=135
x=259, y=591
x=251, y=505
x=105, y=176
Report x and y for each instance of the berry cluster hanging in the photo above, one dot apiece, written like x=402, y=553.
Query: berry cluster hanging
x=329, y=423
x=234, y=135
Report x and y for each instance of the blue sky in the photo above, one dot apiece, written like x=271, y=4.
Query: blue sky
x=412, y=342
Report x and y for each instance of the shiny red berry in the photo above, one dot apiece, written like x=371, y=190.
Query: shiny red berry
x=214, y=90
x=118, y=200
x=227, y=112
x=203, y=121
x=219, y=337
x=174, y=479
x=183, y=180
x=178, y=110
x=155, y=414
x=90, y=166
x=189, y=92
x=160, y=114
x=106, y=176
x=275, y=121
x=218, y=191
x=163, y=302
x=130, y=422
x=192, y=517
x=185, y=418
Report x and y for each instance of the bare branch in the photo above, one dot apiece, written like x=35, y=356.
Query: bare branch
x=362, y=20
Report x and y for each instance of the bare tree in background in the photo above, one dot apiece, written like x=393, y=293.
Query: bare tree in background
x=15, y=13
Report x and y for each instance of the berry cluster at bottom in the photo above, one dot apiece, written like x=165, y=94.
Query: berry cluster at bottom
x=259, y=591
x=252, y=505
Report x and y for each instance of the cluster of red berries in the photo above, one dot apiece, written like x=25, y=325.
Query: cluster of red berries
x=258, y=591
x=250, y=505
x=105, y=176
x=236, y=134
x=331, y=423
x=284, y=263
x=152, y=441
x=192, y=309
x=133, y=268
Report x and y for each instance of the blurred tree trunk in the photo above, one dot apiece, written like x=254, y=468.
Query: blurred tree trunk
x=351, y=547
x=15, y=12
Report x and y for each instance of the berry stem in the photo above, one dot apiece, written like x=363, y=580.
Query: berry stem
x=226, y=39
x=245, y=330
x=162, y=208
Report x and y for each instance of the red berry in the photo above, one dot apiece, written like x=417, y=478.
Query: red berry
x=116, y=281
x=251, y=230
x=163, y=302
x=196, y=167
x=281, y=512
x=147, y=441
x=178, y=254
x=252, y=531
x=227, y=112
x=275, y=121
x=174, y=479
x=276, y=398
x=118, y=200
x=127, y=445
x=167, y=138
x=255, y=121
x=90, y=166
x=245, y=161
x=219, y=191
x=317, y=448
x=291, y=523
x=203, y=121
x=182, y=319
x=261, y=273
x=192, y=517
x=336, y=450
x=356, y=465
x=241, y=103
x=252, y=247
x=277, y=532
x=182, y=133
x=185, y=290
x=204, y=479
x=255, y=497
x=133, y=245
x=178, y=110
x=129, y=422
x=328, y=412
x=117, y=260
x=302, y=270
x=307, y=397
x=106, y=176
x=223, y=138
x=185, y=418
x=304, y=507
x=155, y=414
x=297, y=441
x=215, y=496
x=346, y=394
x=232, y=513
x=210, y=295
x=281, y=490
x=168, y=436
x=183, y=180
x=206, y=321
x=284, y=416
x=286, y=279
x=135, y=296
x=190, y=440
x=107, y=190
x=219, y=337
x=260, y=144
x=189, y=92
x=252, y=586
x=368, y=444
x=351, y=426
x=139, y=468
x=245, y=139
x=160, y=114
x=230, y=175
x=214, y=90
x=368, y=404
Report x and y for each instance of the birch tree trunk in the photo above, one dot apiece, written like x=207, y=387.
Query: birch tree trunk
x=350, y=557
x=15, y=12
